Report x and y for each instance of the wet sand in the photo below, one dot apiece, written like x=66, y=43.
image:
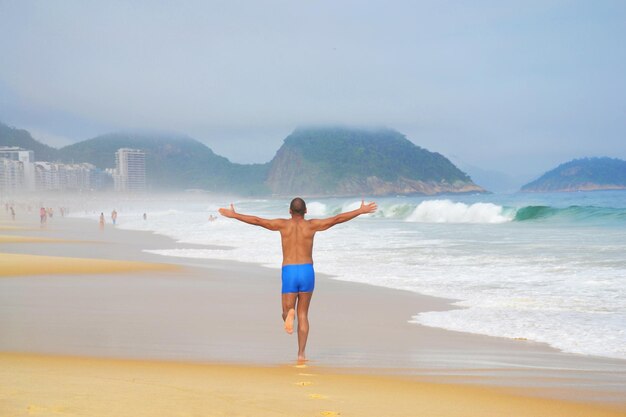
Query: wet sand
x=206, y=311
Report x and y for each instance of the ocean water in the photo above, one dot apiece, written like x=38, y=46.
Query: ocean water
x=544, y=267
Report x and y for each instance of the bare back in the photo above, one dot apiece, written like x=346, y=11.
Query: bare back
x=297, y=233
x=297, y=240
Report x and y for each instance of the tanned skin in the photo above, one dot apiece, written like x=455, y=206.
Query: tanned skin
x=297, y=236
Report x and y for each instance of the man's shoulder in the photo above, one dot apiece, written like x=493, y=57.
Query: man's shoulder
x=314, y=224
x=307, y=223
x=281, y=222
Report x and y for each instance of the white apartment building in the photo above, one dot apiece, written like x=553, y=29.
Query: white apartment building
x=79, y=176
x=130, y=170
x=20, y=173
x=11, y=176
x=52, y=176
x=47, y=176
x=17, y=169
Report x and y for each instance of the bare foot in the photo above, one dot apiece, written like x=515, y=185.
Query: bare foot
x=301, y=359
x=291, y=316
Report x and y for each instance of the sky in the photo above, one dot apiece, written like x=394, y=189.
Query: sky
x=516, y=87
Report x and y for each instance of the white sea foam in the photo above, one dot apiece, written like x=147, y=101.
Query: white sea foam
x=570, y=331
x=395, y=211
x=446, y=211
x=351, y=205
x=316, y=209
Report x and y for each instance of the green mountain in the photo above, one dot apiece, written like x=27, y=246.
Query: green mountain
x=172, y=162
x=312, y=161
x=585, y=174
x=349, y=161
x=10, y=136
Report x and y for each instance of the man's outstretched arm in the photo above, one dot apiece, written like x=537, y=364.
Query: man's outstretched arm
x=323, y=224
x=254, y=220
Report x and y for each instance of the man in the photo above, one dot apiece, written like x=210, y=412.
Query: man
x=298, y=276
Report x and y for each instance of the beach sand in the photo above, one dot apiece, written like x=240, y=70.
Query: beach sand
x=51, y=386
x=25, y=239
x=21, y=264
x=125, y=334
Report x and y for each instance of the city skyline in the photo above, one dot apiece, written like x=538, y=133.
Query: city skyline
x=21, y=172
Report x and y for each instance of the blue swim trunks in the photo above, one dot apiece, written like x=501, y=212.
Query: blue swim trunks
x=298, y=278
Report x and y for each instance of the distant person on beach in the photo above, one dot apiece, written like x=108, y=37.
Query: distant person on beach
x=43, y=215
x=298, y=276
x=114, y=216
x=101, y=221
x=12, y=213
x=145, y=216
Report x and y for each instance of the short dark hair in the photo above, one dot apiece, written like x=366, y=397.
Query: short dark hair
x=297, y=206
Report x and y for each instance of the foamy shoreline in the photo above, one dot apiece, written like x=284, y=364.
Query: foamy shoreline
x=222, y=311
x=561, y=293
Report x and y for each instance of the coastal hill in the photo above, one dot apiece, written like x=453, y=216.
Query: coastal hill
x=587, y=174
x=10, y=136
x=312, y=161
x=172, y=162
x=349, y=161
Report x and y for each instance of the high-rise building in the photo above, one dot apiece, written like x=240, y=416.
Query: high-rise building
x=16, y=154
x=130, y=170
x=11, y=176
x=17, y=171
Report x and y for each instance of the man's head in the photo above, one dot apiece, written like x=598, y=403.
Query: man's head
x=297, y=207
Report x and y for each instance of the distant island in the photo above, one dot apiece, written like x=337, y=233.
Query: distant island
x=587, y=174
x=319, y=161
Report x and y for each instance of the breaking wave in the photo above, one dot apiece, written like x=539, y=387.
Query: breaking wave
x=447, y=211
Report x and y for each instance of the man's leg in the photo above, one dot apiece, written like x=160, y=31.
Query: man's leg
x=289, y=312
x=304, y=300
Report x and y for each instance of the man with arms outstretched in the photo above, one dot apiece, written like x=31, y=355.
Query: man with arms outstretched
x=298, y=275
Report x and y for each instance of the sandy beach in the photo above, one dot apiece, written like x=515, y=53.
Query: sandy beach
x=93, y=326
x=39, y=385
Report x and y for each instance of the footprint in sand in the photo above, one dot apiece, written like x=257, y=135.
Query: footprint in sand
x=318, y=397
x=37, y=409
x=329, y=413
x=303, y=383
